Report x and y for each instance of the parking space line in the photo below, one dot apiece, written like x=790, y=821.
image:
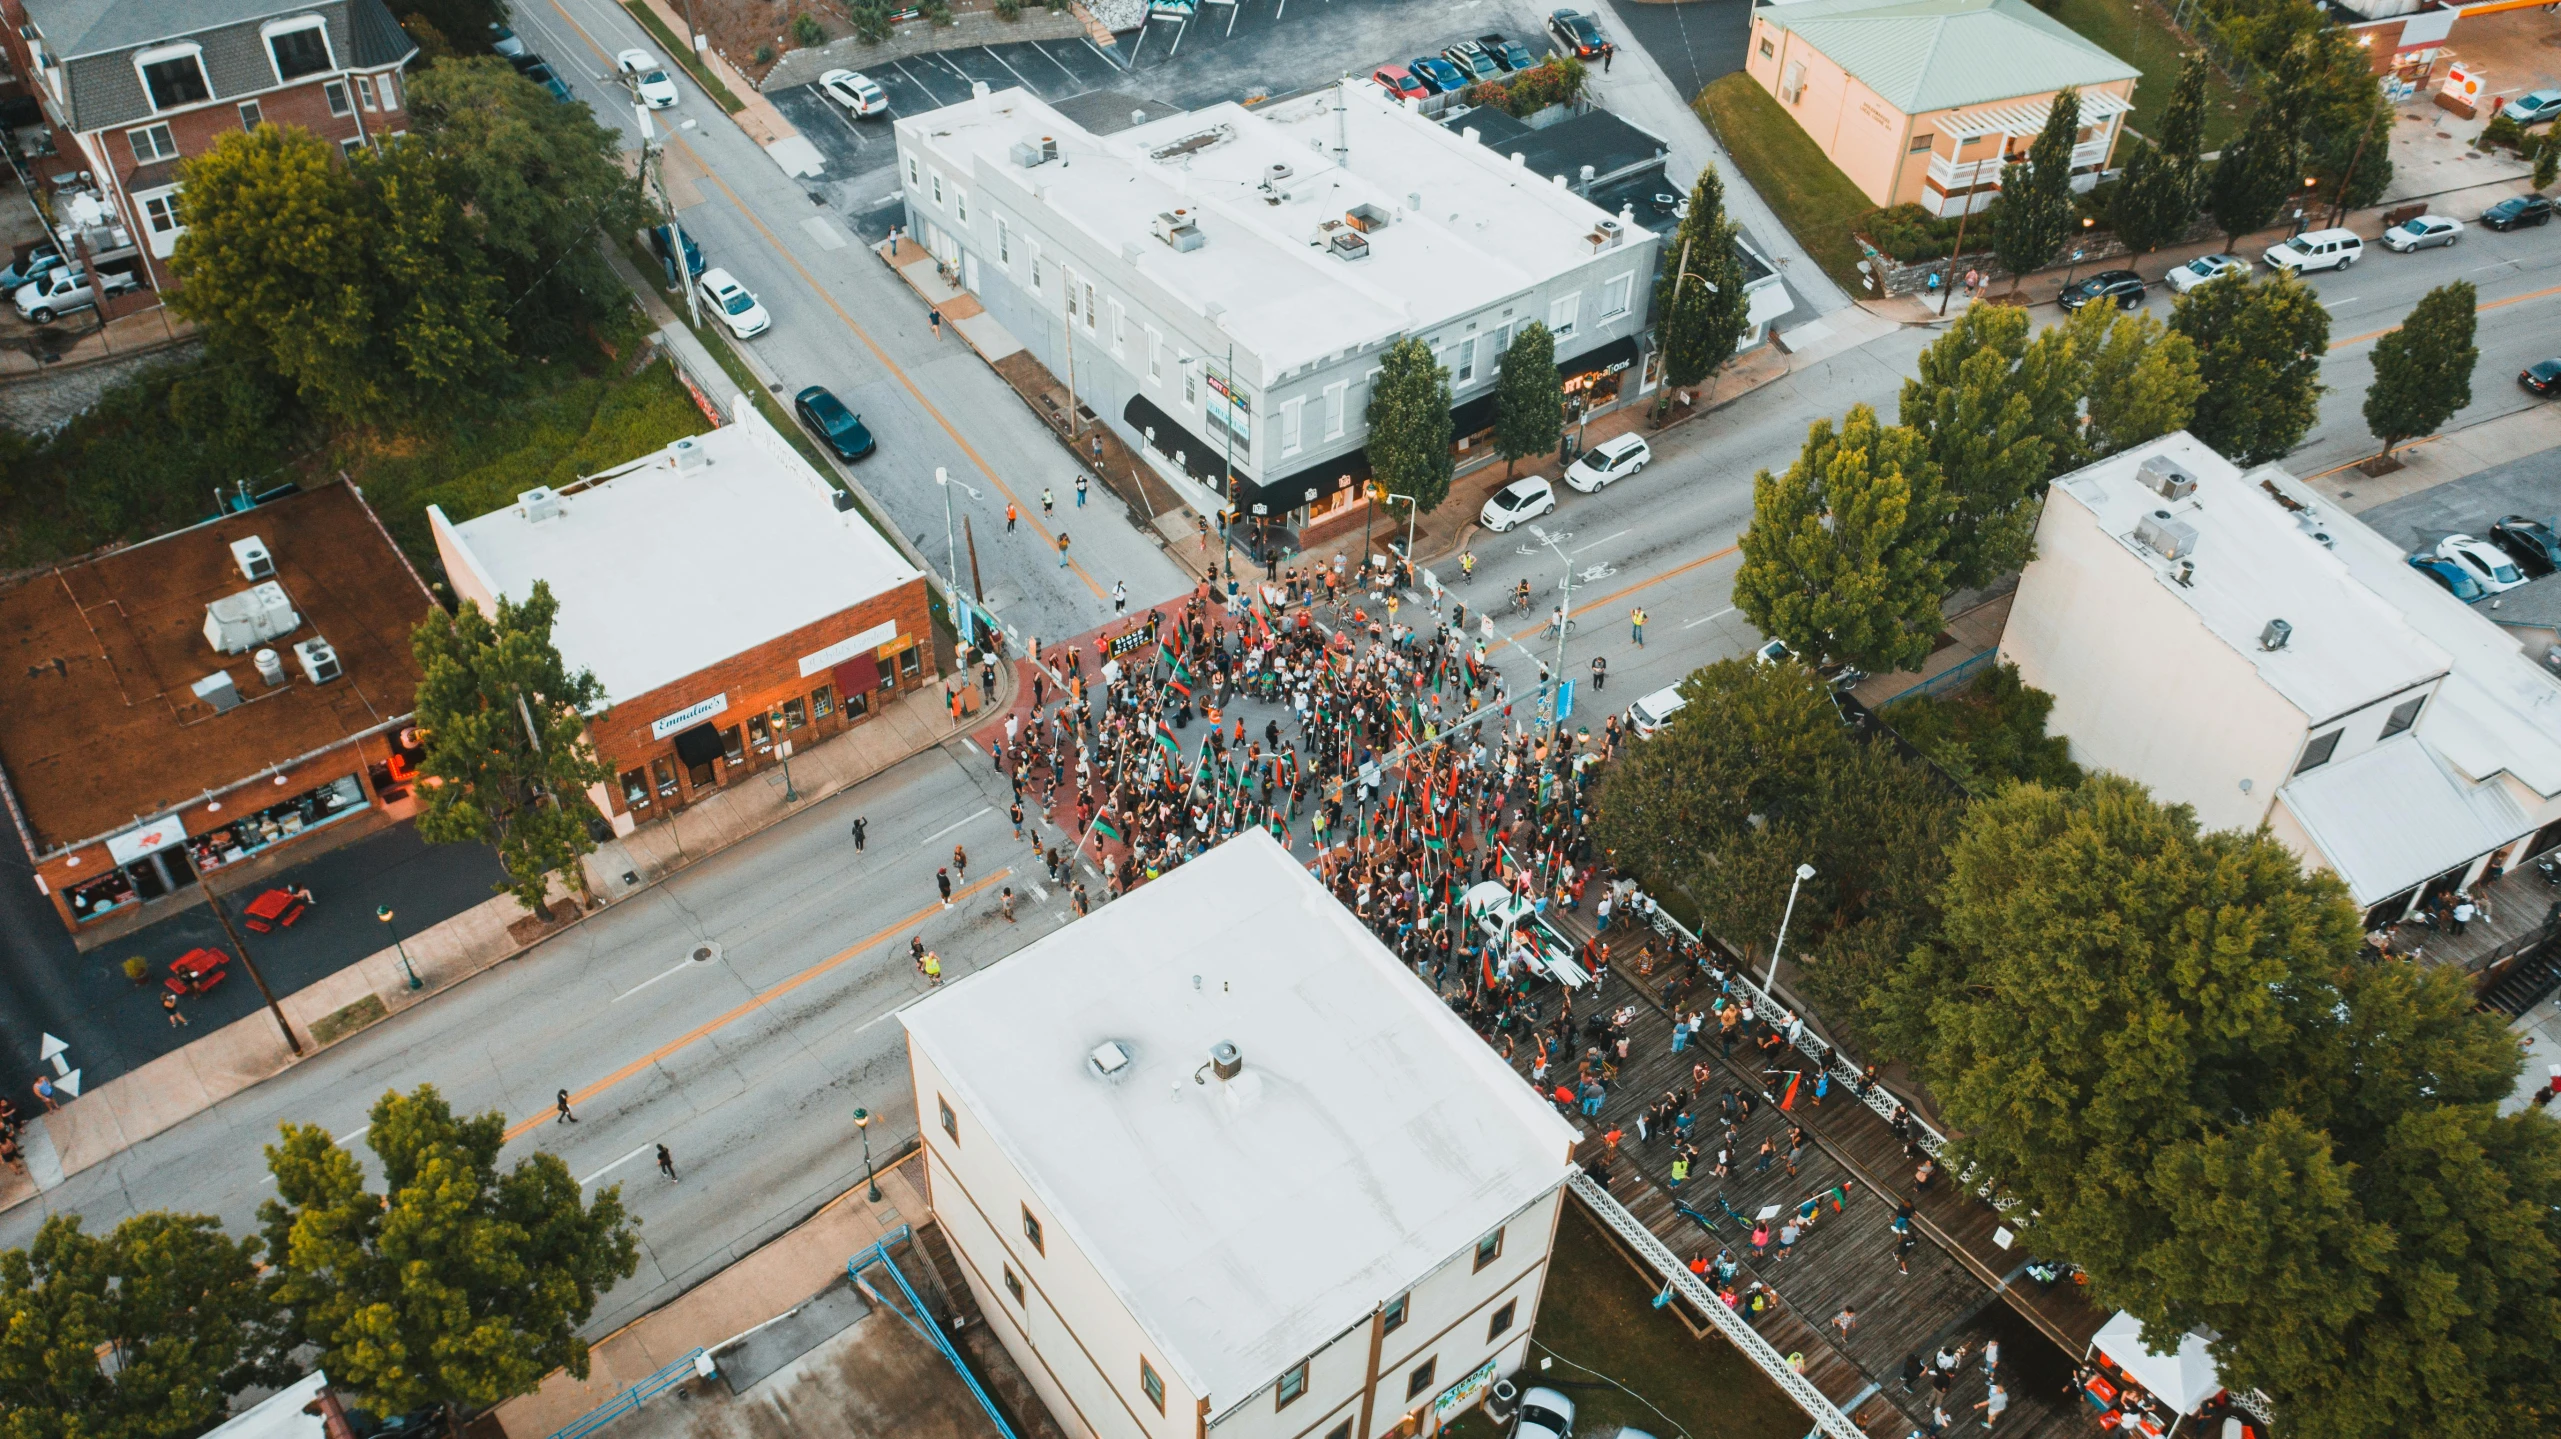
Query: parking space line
x=1106, y=59
x=1010, y=70
x=1072, y=77
x=1136, y=45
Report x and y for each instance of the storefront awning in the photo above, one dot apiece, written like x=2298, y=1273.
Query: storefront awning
x=858, y=676
x=2184, y=1380
x=1618, y=354
x=699, y=745
x=1203, y=460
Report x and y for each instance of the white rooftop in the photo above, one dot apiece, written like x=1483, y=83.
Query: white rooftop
x=1463, y=224
x=1246, y=1223
x=2397, y=815
x=660, y=574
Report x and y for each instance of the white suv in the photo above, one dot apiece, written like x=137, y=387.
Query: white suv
x=2315, y=250
x=1611, y=459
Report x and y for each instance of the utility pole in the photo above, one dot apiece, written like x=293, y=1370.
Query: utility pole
x=654, y=156
x=1067, y=284
x=240, y=947
x=977, y=587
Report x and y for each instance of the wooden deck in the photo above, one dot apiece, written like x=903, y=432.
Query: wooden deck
x=1846, y=1259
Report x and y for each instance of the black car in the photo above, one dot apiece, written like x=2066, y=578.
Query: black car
x=1507, y=52
x=2521, y=210
x=2123, y=286
x=828, y=419
x=1576, y=34
x=2531, y=543
x=2543, y=377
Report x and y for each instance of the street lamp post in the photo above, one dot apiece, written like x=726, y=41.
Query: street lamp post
x=1804, y=872
x=2086, y=222
x=782, y=749
x=951, y=553
x=862, y=1126
x=384, y=914
x=1412, y=510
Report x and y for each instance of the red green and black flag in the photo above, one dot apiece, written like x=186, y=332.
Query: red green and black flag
x=1103, y=826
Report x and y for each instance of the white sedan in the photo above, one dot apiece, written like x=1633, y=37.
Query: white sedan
x=2423, y=233
x=651, y=81
x=737, y=308
x=2483, y=561
x=1609, y=461
x=855, y=91
x=1516, y=502
x=2196, y=272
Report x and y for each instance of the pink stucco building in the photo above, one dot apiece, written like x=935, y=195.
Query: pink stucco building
x=1921, y=101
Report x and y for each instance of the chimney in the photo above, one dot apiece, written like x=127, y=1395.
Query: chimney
x=1585, y=185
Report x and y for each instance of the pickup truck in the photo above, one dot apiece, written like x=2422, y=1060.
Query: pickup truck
x=65, y=290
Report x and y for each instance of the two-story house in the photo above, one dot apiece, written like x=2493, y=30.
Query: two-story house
x=132, y=87
x=1215, y=1164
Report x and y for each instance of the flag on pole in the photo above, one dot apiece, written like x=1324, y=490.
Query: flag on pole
x=1103, y=826
x=1794, y=1077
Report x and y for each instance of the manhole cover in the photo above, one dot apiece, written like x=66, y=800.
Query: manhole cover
x=704, y=953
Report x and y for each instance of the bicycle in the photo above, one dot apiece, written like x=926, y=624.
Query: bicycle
x=1549, y=632
x=1520, y=603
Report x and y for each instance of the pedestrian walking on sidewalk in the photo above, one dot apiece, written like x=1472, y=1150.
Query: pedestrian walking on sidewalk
x=1013, y=514
x=560, y=1102
x=1600, y=673
x=1080, y=492
x=169, y=1003
x=1007, y=904
x=860, y=824
x=936, y=320
x=942, y=882
x=1062, y=549
x=1845, y=1321
x=1636, y=626
x=1048, y=503
x=931, y=966
x=667, y=1165
x=1993, y=1404
x=1016, y=813
x=1120, y=597
x=960, y=862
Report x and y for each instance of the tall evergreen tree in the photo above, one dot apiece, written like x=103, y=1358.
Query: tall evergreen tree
x=1529, y=398
x=2254, y=176
x=1409, y=425
x=1981, y=429
x=2547, y=161
x=2143, y=383
x=1699, y=304
x=2035, y=213
x=2163, y=184
x=2259, y=349
x=2423, y=370
x=1841, y=560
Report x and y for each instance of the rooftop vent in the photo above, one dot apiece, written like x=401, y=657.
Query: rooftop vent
x=217, y=690
x=1226, y=1060
x=319, y=661
x=1190, y=144
x=689, y=455
x=271, y=667
x=540, y=503
x=1179, y=228
x=2164, y=477
x=1276, y=172
x=2275, y=635
x=255, y=561
x=236, y=624
x=1366, y=217
x=1349, y=244
x=2166, y=535
x=1606, y=234
x=1109, y=1058
x=2310, y=524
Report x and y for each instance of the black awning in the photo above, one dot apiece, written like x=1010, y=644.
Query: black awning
x=1303, y=487
x=699, y=745
x=1203, y=460
x=1618, y=354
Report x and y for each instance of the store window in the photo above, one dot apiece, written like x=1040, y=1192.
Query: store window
x=822, y=701
x=664, y=772
x=99, y=896
x=759, y=733
x=635, y=789
x=731, y=748
x=247, y=835
x=911, y=665
x=795, y=714
x=857, y=704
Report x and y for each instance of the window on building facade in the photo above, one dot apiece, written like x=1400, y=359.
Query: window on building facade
x=951, y=1121
x=1191, y=387
x=635, y=789
x=250, y=115
x=1392, y=1318
x=2318, y=752
x=1489, y=1249
x=152, y=142
x=911, y=170
x=758, y=734
x=664, y=772
x=1120, y=326
x=1766, y=48
x=1155, y=354
x=1004, y=243
x=1291, y=412
x=1561, y=316
x=175, y=81
x=1616, y=295
x=1150, y=1385
x=1334, y=409
x=960, y=203
x=364, y=91
x=733, y=747
x=1014, y=1285
x=161, y=212
x=390, y=84
x=1089, y=308
x=1502, y=1320
x=822, y=701
x=1039, y=271
x=1420, y=1381
x=1031, y=1231
x=795, y=714
x=339, y=104
x=1293, y=1384
x=2404, y=715
x=1340, y=1431
x=938, y=187
x=350, y=145
x=301, y=51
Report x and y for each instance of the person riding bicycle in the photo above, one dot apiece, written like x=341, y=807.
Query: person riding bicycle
x=1520, y=595
x=1556, y=620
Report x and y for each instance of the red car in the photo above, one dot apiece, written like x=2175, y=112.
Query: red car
x=1399, y=82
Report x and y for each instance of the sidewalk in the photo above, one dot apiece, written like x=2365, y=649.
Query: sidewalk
x=2444, y=456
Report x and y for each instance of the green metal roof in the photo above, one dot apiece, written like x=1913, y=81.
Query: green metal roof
x=1925, y=55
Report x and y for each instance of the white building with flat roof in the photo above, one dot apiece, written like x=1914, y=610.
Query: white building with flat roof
x=2237, y=643
x=1215, y=1163
x=1225, y=280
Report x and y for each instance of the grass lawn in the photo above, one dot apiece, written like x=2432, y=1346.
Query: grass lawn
x=2141, y=36
x=1598, y=1312
x=1811, y=195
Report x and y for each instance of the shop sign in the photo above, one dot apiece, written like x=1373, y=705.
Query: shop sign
x=1463, y=1393
x=151, y=838
x=691, y=715
x=845, y=649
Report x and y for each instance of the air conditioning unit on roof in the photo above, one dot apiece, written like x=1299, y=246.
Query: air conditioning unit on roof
x=2163, y=476
x=319, y=661
x=2166, y=535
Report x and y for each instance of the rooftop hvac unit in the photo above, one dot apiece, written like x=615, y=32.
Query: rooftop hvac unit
x=2163, y=476
x=2166, y=535
x=1349, y=244
x=1366, y=217
x=540, y=503
x=1049, y=147
x=217, y=690
x=1276, y=172
x=238, y=623
x=690, y=456
x=271, y=666
x=1606, y=234
x=254, y=559
x=2275, y=635
x=1029, y=153
x=319, y=661
x=1179, y=229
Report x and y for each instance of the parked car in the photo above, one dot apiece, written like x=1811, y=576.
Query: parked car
x=1471, y=61
x=663, y=246
x=2314, y=250
x=1576, y=34
x=2424, y=233
x=2453, y=577
x=59, y=292
x=737, y=308
x=2121, y=286
x=2533, y=107
x=653, y=85
x=504, y=41
x=1655, y=711
x=2543, y=377
x=1438, y=73
x=1544, y=1414
x=524, y=59
x=1608, y=462
x=1507, y=52
x=40, y=261
x=2488, y=565
x=1772, y=652
x=1399, y=82
x=2202, y=269
x=2520, y=210
x=2531, y=543
x=550, y=80
x=1516, y=502
x=840, y=429
x=855, y=91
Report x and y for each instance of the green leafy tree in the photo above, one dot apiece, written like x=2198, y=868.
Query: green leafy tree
x=1700, y=309
x=174, y=1308
x=1841, y=560
x=1988, y=733
x=2423, y=370
x=2036, y=194
x=2258, y=350
x=457, y=1284
x=2343, y=124
x=1985, y=437
x=2254, y=176
x=2547, y=161
x=506, y=740
x=2164, y=1044
x=2143, y=382
x=2157, y=199
x=1409, y=425
x=1529, y=398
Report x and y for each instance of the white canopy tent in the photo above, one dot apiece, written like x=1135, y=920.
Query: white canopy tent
x=2184, y=1380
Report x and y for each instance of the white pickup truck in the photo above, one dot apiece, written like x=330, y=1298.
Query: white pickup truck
x=67, y=289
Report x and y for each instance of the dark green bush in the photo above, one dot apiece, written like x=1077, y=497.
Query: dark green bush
x=806, y=31
x=1988, y=733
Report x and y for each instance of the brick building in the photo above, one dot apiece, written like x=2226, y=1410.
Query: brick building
x=132, y=87
x=191, y=703
x=729, y=598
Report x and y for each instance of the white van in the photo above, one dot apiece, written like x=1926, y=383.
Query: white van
x=1655, y=711
x=2315, y=250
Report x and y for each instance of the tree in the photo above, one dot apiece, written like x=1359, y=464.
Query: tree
x=2259, y=349
x=2143, y=383
x=1841, y=560
x=1981, y=426
x=2547, y=162
x=1699, y=302
x=2036, y=195
x=2254, y=176
x=507, y=747
x=2156, y=201
x=2343, y=125
x=177, y=1310
x=1409, y=425
x=1529, y=398
x=2423, y=370
x=457, y=1285
x=2164, y=1045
